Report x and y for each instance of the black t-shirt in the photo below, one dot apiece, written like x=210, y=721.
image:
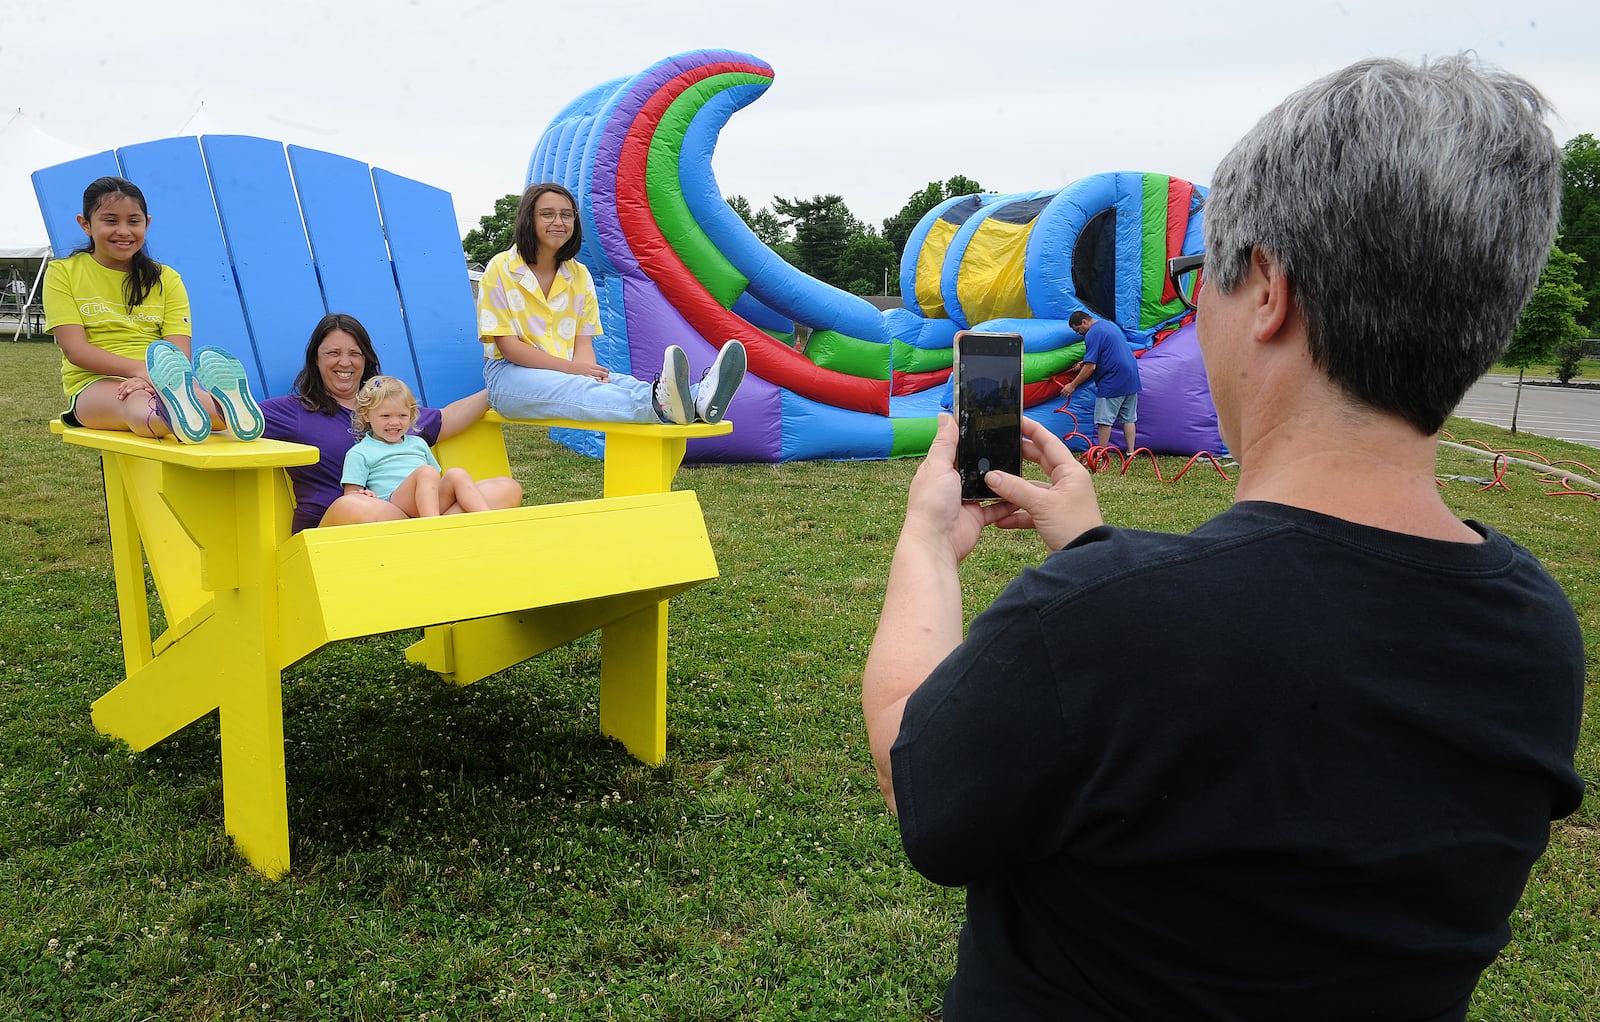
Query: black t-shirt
x=1285, y=767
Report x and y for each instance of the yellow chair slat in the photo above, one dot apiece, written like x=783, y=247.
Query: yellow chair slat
x=369, y=579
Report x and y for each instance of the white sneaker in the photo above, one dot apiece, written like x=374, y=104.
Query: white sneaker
x=717, y=387
x=670, y=395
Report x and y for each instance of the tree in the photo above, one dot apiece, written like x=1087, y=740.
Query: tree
x=1548, y=324
x=1580, y=220
x=868, y=264
x=897, y=229
x=823, y=226
x=763, y=223
x=493, y=233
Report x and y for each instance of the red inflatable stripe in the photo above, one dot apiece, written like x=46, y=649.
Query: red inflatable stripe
x=1179, y=195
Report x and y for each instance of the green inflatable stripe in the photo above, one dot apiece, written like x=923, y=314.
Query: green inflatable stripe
x=908, y=358
x=1153, y=254
x=1036, y=366
x=1040, y=365
x=912, y=437
x=849, y=355
x=667, y=204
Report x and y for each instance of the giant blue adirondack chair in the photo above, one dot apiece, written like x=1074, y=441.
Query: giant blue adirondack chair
x=268, y=238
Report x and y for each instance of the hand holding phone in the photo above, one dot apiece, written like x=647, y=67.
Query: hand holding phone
x=988, y=408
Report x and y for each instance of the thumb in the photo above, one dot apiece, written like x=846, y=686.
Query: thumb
x=1011, y=488
x=944, y=439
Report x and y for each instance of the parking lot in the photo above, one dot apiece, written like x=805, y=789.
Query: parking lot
x=1568, y=413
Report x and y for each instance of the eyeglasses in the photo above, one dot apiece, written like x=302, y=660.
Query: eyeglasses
x=550, y=216
x=1184, y=272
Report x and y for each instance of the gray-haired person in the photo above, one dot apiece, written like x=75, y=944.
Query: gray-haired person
x=1330, y=811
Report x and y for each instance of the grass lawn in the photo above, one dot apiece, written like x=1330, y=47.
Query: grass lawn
x=1544, y=372
x=482, y=853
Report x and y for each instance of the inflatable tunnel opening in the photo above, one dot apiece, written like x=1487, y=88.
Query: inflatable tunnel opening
x=1094, y=265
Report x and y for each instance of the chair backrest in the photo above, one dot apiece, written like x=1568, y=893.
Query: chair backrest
x=268, y=238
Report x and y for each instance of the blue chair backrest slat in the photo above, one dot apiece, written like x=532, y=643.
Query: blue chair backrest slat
x=60, y=192
x=430, y=271
x=183, y=222
x=341, y=218
x=268, y=240
x=277, y=283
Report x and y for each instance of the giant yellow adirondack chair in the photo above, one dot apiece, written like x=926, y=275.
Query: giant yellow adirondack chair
x=267, y=239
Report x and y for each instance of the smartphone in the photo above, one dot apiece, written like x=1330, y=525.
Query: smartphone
x=988, y=407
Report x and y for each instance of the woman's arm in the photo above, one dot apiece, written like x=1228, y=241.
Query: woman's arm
x=456, y=416
x=583, y=360
x=921, y=619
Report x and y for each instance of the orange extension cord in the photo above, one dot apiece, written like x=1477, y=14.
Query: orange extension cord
x=1503, y=460
x=1098, y=459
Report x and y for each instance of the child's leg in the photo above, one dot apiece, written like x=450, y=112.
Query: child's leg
x=97, y=406
x=458, y=493
x=418, y=495
x=518, y=392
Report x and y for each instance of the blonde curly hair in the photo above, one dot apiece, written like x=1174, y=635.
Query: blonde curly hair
x=374, y=393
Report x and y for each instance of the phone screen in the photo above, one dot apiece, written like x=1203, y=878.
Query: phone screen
x=988, y=406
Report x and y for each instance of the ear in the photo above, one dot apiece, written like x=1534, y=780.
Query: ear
x=83, y=222
x=1274, y=306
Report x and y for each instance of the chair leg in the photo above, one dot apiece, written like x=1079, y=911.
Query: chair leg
x=255, y=801
x=215, y=667
x=633, y=682
x=127, y=559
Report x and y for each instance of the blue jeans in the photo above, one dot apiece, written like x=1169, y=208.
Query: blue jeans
x=518, y=392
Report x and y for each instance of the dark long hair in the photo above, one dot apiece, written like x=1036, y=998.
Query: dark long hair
x=523, y=235
x=144, y=275
x=314, y=397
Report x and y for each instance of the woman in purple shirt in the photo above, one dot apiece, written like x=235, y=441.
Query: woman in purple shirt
x=339, y=359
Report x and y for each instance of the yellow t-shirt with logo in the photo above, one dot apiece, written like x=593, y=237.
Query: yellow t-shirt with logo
x=511, y=304
x=78, y=290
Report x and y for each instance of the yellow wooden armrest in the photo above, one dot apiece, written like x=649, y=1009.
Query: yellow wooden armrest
x=219, y=453
x=641, y=457
x=661, y=430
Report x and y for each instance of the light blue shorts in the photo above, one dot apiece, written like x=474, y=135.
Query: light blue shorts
x=1108, y=411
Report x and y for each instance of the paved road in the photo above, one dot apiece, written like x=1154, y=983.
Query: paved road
x=1567, y=413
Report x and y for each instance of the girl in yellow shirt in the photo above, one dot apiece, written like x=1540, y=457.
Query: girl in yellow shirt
x=121, y=320
x=537, y=319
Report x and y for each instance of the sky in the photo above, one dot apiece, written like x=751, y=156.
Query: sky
x=871, y=100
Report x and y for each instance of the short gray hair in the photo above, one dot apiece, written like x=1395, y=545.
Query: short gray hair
x=1412, y=209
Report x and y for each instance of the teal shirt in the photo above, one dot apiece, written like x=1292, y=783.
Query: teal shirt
x=380, y=467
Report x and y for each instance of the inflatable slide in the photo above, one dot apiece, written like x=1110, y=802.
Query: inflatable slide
x=674, y=264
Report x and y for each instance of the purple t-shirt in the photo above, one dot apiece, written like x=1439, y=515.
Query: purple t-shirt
x=317, y=486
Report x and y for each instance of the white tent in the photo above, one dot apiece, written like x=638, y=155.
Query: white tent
x=24, y=148
x=24, y=244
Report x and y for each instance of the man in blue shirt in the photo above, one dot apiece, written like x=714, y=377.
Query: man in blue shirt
x=1109, y=362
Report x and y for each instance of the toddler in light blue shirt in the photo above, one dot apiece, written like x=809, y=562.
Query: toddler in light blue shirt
x=392, y=463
